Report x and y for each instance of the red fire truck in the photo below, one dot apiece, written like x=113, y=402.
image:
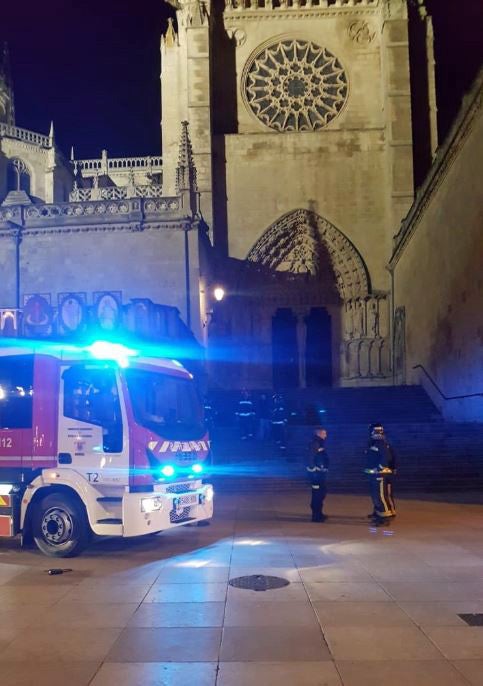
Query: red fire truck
x=97, y=439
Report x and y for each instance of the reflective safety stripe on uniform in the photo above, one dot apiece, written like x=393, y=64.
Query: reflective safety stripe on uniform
x=390, y=496
x=379, y=497
x=382, y=494
x=383, y=509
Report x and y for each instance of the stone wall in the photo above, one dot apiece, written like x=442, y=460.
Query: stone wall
x=438, y=272
x=338, y=174
x=137, y=247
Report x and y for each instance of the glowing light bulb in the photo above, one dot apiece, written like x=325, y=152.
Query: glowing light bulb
x=219, y=293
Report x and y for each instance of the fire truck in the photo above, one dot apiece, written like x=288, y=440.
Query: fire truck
x=98, y=440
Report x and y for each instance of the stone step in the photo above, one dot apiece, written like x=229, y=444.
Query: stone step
x=363, y=404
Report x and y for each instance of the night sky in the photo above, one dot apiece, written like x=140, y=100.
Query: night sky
x=93, y=67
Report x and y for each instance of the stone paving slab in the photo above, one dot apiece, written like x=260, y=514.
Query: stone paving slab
x=363, y=606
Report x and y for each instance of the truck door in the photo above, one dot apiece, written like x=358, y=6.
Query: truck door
x=16, y=393
x=93, y=436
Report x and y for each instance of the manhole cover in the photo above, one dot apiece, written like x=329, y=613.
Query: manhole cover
x=473, y=620
x=258, y=582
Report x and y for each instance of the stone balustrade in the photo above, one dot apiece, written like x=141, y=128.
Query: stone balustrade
x=241, y=5
x=25, y=135
x=99, y=212
x=116, y=192
x=119, y=165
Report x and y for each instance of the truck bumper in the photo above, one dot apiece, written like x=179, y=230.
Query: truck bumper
x=144, y=513
x=9, y=515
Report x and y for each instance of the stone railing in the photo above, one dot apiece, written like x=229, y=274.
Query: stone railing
x=241, y=5
x=116, y=192
x=119, y=165
x=86, y=213
x=12, y=213
x=25, y=135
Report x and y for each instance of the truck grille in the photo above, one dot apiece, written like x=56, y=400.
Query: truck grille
x=180, y=515
x=181, y=488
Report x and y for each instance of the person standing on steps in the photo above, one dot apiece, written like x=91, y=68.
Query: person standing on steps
x=246, y=415
x=263, y=415
x=317, y=470
x=278, y=422
x=380, y=468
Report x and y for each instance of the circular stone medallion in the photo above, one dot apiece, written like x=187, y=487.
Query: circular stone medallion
x=295, y=85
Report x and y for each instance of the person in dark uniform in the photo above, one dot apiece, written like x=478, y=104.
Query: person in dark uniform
x=380, y=468
x=278, y=422
x=263, y=415
x=246, y=415
x=209, y=412
x=317, y=470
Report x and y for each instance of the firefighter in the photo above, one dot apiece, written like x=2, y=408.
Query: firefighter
x=246, y=415
x=263, y=416
x=317, y=470
x=209, y=412
x=278, y=422
x=380, y=468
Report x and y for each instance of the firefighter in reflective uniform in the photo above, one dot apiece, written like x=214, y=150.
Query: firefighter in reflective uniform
x=278, y=422
x=246, y=415
x=209, y=412
x=380, y=468
x=317, y=470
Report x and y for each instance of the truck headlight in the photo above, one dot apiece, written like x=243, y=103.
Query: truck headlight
x=197, y=468
x=209, y=494
x=151, y=504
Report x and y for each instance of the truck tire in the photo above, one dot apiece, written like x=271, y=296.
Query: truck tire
x=60, y=526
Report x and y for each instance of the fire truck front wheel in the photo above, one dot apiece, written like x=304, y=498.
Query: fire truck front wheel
x=60, y=527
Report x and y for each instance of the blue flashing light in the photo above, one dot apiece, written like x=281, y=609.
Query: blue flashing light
x=167, y=470
x=104, y=350
x=197, y=468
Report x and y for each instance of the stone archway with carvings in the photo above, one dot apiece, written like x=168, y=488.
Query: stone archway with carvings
x=304, y=265
x=295, y=242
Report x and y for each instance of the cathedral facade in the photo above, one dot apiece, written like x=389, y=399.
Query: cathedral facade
x=288, y=140
x=300, y=118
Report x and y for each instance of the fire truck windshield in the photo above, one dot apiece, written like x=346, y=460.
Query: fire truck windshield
x=168, y=405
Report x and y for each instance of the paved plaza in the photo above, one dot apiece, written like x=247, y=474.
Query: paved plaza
x=364, y=606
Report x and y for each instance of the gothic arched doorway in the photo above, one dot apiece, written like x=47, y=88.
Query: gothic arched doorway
x=301, y=311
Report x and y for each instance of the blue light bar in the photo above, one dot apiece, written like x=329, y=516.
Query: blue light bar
x=103, y=350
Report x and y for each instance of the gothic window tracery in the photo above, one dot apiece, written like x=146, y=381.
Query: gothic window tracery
x=295, y=85
x=18, y=176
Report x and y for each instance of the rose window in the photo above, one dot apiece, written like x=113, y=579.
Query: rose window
x=295, y=85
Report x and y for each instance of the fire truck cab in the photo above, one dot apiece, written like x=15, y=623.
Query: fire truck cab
x=97, y=439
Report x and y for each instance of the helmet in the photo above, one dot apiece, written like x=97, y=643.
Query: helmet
x=376, y=428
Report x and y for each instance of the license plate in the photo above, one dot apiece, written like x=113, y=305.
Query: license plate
x=188, y=499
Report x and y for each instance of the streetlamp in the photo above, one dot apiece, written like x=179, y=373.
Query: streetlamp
x=218, y=293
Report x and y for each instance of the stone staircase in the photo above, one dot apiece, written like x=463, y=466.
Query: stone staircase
x=433, y=455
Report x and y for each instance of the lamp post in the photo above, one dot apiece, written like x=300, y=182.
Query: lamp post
x=218, y=293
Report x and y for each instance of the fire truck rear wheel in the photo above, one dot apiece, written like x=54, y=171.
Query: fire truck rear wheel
x=60, y=527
